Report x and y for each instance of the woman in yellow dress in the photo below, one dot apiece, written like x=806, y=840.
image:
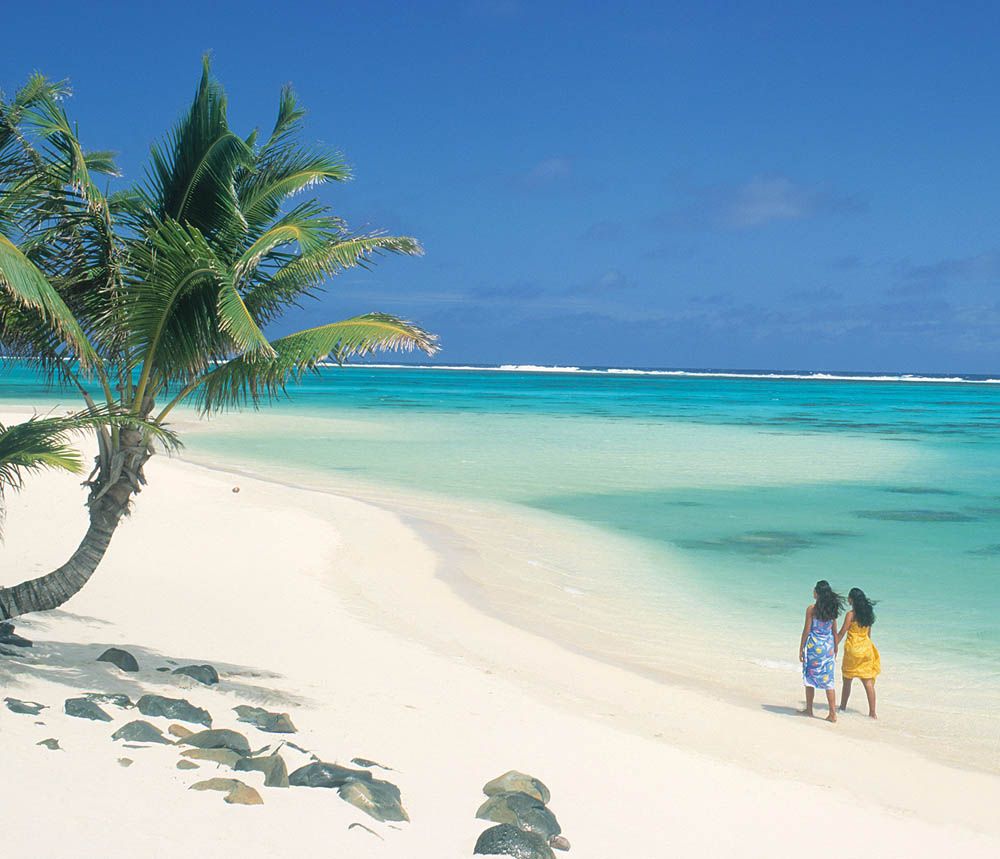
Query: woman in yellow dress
x=861, y=657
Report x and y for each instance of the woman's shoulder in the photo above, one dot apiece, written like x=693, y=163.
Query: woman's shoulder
x=810, y=609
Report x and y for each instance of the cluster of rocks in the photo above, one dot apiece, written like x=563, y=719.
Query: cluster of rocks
x=526, y=828
x=378, y=798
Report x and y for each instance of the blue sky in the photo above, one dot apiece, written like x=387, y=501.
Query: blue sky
x=627, y=184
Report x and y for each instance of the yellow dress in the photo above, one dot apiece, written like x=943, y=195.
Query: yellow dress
x=861, y=658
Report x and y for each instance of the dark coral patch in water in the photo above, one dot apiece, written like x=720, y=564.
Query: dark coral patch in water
x=763, y=544
x=988, y=551
x=915, y=515
x=984, y=512
x=919, y=490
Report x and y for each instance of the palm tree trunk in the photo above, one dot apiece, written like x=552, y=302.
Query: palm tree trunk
x=110, y=494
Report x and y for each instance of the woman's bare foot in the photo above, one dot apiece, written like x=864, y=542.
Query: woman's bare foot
x=843, y=708
x=807, y=712
x=872, y=716
x=832, y=717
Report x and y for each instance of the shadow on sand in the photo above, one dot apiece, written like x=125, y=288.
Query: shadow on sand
x=76, y=667
x=781, y=710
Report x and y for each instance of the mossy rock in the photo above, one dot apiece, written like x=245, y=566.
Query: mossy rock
x=376, y=798
x=139, y=731
x=520, y=810
x=173, y=708
x=273, y=767
x=24, y=708
x=237, y=793
x=264, y=720
x=226, y=757
x=219, y=738
x=321, y=774
x=84, y=708
x=121, y=701
x=520, y=782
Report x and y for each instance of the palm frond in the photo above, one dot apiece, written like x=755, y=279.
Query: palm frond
x=253, y=378
x=25, y=286
x=192, y=179
x=303, y=274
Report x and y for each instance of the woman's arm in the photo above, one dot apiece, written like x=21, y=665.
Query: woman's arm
x=805, y=632
x=848, y=619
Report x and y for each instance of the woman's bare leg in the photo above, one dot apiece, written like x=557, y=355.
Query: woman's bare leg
x=870, y=692
x=810, y=695
x=845, y=693
x=831, y=703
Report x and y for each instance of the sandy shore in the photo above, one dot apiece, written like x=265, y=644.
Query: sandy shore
x=338, y=612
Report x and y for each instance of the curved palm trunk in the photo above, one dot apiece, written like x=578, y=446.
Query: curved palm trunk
x=119, y=479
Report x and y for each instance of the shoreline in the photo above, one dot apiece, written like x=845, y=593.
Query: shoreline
x=482, y=577
x=394, y=665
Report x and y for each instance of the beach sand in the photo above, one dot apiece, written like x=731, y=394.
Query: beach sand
x=339, y=612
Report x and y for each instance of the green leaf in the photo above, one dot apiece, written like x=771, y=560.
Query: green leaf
x=27, y=287
x=252, y=378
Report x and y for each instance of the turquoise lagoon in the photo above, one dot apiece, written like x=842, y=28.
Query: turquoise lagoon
x=677, y=523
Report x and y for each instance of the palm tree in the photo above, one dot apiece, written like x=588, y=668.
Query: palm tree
x=159, y=294
x=43, y=443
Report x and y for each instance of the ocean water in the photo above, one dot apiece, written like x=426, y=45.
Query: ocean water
x=680, y=521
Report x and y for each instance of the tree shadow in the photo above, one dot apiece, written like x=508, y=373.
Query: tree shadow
x=75, y=666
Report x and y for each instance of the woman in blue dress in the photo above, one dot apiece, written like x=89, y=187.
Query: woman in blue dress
x=818, y=646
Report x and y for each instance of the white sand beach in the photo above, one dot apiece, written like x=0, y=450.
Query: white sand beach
x=335, y=611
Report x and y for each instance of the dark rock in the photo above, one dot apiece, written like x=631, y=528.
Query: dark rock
x=125, y=762
x=321, y=774
x=83, y=708
x=273, y=767
x=376, y=798
x=121, y=701
x=273, y=723
x=49, y=743
x=25, y=708
x=8, y=636
x=205, y=674
x=179, y=731
x=521, y=810
x=507, y=840
x=518, y=781
x=364, y=762
x=163, y=669
x=139, y=731
x=186, y=765
x=173, y=708
x=120, y=658
x=559, y=842
x=219, y=738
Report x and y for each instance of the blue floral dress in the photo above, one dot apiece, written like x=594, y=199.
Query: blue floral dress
x=819, y=661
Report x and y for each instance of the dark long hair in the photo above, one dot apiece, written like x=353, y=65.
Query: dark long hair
x=828, y=602
x=864, y=608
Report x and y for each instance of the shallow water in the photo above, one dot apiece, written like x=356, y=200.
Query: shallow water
x=720, y=500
